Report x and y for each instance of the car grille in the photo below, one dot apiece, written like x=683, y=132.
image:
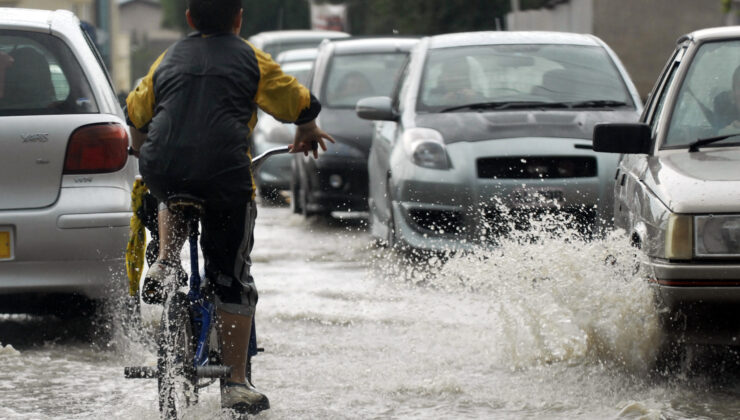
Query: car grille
x=437, y=221
x=500, y=223
x=536, y=167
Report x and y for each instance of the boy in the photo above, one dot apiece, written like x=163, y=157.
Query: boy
x=191, y=116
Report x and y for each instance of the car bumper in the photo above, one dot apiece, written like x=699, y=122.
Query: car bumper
x=681, y=284
x=77, y=245
x=458, y=209
x=338, y=184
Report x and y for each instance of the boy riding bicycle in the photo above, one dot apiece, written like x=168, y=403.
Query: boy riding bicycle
x=191, y=117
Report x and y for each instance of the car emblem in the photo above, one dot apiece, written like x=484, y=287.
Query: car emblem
x=35, y=138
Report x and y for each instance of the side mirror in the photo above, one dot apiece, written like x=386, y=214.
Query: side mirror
x=623, y=138
x=376, y=108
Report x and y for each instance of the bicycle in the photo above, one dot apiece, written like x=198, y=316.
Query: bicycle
x=188, y=349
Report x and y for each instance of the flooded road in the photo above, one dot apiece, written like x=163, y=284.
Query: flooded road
x=543, y=329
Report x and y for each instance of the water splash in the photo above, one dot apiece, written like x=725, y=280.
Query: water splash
x=551, y=295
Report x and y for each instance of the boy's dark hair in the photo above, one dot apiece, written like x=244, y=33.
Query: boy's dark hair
x=211, y=16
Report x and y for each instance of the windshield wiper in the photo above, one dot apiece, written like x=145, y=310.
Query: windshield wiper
x=597, y=103
x=694, y=147
x=508, y=105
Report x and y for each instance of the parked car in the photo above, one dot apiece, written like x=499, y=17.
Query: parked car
x=488, y=129
x=275, y=42
x=274, y=175
x=65, y=175
x=677, y=194
x=345, y=71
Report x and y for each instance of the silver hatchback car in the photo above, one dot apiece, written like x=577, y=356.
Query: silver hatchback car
x=65, y=175
x=487, y=130
x=677, y=195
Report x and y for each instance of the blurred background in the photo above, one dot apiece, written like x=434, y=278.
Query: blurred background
x=132, y=33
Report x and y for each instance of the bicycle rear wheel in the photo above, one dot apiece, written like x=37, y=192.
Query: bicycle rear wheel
x=176, y=376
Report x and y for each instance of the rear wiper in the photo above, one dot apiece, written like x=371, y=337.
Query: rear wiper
x=694, y=147
x=597, y=103
x=508, y=105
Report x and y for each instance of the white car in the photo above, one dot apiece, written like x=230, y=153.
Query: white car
x=65, y=174
x=677, y=190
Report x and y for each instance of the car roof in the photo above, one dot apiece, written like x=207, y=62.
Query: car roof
x=511, y=37
x=12, y=17
x=708, y=34
x=281, y=36
x=302, y=54
x=372, y=44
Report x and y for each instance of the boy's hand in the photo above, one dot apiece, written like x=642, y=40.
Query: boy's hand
x=307, y=136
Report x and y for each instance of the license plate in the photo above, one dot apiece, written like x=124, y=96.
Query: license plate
x=536, y=197
x=6, y=246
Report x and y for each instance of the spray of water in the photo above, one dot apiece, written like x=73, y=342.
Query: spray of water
x=551, y=293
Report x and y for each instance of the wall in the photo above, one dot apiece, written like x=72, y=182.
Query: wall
x=642, y=32
x=84, y=9
x=574, y=16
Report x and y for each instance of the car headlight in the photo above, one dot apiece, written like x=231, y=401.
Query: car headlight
x=426, y=148
x=717, y=236
x=678, y=238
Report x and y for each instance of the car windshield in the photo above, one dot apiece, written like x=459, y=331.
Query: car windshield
x=39, y=75
x=707, y=105
x=276, y=48
x=298, y=69
x=521, y=74
x=357, y=76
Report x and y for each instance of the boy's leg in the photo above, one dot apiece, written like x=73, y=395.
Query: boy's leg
x=227, y=240
x=173, y=231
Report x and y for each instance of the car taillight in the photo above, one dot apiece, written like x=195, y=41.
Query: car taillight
x=96, y=148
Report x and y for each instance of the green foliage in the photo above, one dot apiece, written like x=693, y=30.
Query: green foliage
x=259, y=15
x=422, y=17
x=726, y=6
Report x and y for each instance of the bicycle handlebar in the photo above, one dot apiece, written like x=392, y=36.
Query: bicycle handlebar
x=258, y=160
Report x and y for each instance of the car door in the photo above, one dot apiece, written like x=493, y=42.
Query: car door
x=384, y=138
x=628, y=187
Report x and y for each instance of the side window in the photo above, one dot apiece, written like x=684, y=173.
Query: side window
x=41, y=76
x=661, y=99
x=396, y=94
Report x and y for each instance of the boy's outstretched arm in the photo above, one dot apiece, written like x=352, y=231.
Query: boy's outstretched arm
x=308, y=136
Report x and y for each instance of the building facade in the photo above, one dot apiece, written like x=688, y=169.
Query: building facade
x=643, y=33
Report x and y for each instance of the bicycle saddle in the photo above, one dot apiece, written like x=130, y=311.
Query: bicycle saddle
x=185, y=202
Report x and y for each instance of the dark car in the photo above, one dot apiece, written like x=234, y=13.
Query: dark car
x=269, y=133
x=345, y=71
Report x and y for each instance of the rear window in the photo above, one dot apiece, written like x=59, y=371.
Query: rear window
x=353, y=77
x=299, y=69
x=275, y=49
x=40, y=76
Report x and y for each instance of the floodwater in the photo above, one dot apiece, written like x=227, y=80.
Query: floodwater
x=552, y=328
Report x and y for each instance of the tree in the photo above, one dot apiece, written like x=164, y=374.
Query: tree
x=259, y=15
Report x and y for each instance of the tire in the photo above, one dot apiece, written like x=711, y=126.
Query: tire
x=295, y=190
x=390, y=238
x=176, y=379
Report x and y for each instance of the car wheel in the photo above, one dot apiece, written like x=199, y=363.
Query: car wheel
x=295, y=190
x=390, y=238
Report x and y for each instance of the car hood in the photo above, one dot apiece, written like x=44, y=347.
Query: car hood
x=707, y=181
x=347, y=128
x=477, y=126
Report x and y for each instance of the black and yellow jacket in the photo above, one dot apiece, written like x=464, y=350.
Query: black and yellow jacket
x=198, y=106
